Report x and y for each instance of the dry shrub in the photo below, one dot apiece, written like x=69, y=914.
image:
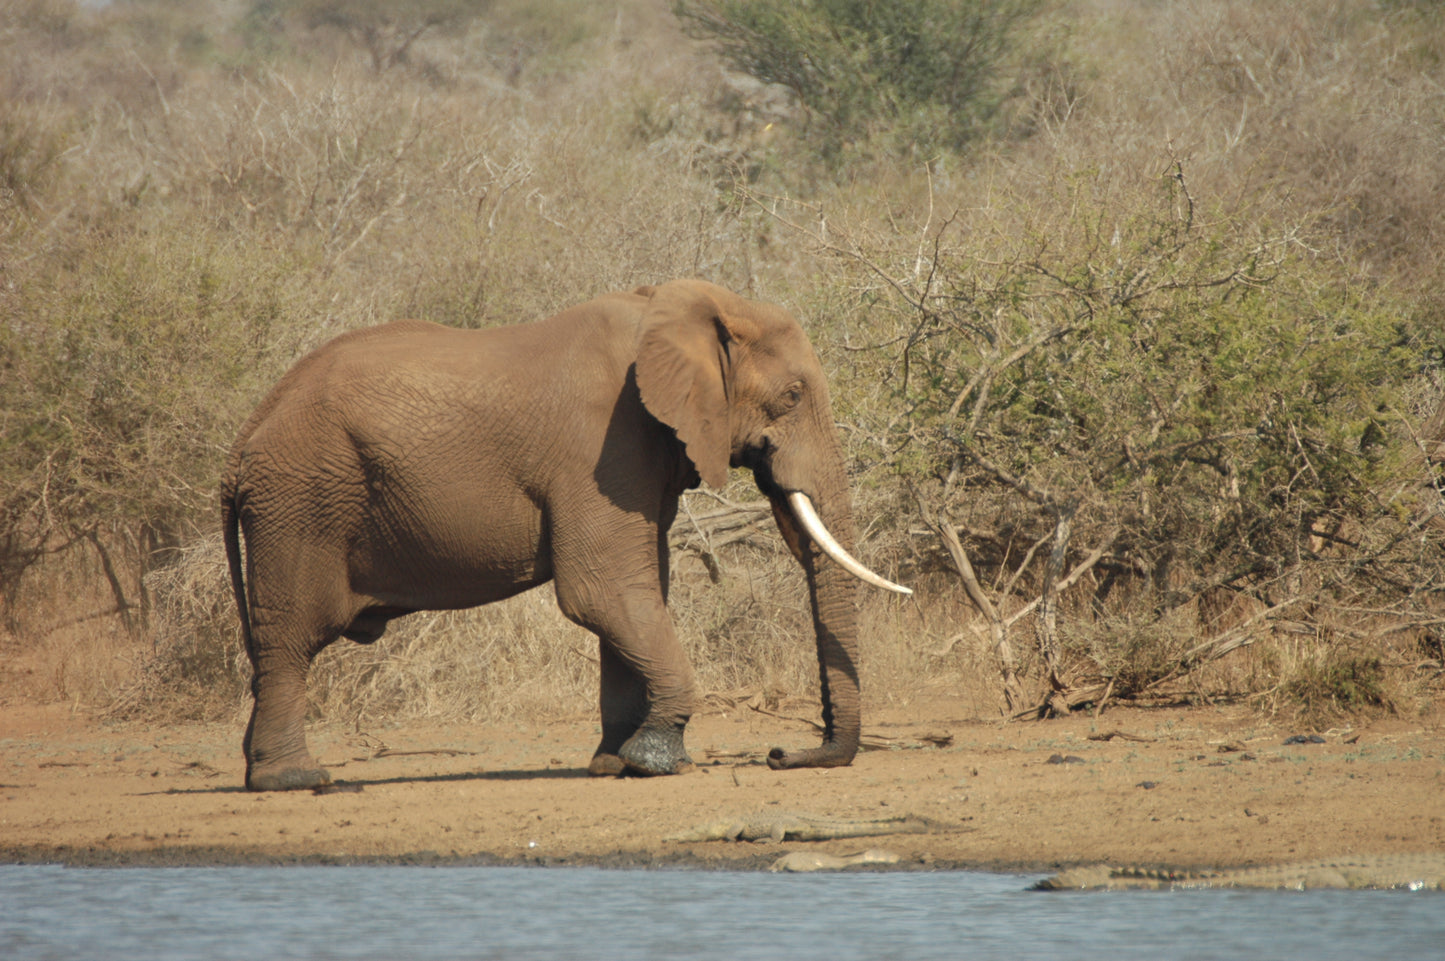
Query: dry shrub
x=1333, y=685
x=241, y=191
x=749, y=631
x=83, y=655
x=1335, y=100
x=1309, y=137
x=205, y=227
x=518, y=659
x=931, y=644
x=1322, y=685
x=196, y=668
x=1134, y=655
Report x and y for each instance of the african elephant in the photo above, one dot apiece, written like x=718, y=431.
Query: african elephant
x=413, y=467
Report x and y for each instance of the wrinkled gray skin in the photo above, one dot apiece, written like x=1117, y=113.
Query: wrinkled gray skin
x=416, y=467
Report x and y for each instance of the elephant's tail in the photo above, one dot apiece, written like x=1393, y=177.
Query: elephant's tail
x=231, y=531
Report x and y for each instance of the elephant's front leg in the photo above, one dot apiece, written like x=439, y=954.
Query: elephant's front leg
x=647, y=697
x=647, y=686
x=647, y=693
x=623, y=700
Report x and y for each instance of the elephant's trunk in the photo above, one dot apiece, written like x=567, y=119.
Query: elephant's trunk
x=831, y=592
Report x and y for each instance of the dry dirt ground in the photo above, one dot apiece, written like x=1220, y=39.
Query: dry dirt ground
x=1173, y=787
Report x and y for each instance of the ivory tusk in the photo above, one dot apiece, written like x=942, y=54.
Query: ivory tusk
x=813, y=524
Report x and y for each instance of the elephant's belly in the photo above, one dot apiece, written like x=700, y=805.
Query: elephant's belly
x=450, y=587
x=452, y=563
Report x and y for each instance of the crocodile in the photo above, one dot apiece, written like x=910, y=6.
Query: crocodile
x=803, y=861
x=796, y=826
x=1415, y=872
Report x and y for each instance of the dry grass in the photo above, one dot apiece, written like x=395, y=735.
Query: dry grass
x=1335, y=103
x=275, y=183
x=747, y=632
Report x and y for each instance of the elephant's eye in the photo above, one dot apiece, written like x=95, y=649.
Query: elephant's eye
x=793, y=396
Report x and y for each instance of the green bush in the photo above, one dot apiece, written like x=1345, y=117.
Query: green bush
x=385, y=30
x=1151, y=398
x=916, y=76
x=1173, y=396
x=123, y=388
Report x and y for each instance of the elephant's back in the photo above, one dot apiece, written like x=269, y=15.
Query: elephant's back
x=602, y=329
x=372, y=352
x=368, y=345
x=390, y=391
x=417, y=350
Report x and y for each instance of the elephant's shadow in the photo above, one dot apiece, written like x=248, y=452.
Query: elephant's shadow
x=352, y=785
x=527, y=774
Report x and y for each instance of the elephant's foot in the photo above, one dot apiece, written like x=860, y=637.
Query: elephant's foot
x=655, y=750
x=275, y=777
x=606, y=765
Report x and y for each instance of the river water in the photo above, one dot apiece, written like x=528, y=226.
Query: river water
x=157, y=914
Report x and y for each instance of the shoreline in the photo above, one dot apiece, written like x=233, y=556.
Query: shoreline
x=1180, y=788
x=744, y=862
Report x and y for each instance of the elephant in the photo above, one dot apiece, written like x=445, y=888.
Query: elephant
x=414, y=466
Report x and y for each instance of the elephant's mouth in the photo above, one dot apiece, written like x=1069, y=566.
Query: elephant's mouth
x=759, y=461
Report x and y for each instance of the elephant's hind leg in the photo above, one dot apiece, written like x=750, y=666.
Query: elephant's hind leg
x=277, y=758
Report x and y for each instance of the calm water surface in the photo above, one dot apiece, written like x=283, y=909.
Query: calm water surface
x=561, y=913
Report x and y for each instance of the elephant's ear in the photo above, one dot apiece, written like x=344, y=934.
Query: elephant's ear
x=689, y=335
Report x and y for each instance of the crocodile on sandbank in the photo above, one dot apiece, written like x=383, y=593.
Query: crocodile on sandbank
x=798, y=862
x=1415, y=872
x=796, y=826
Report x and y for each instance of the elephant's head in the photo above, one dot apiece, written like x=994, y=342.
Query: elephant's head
x=741, y=385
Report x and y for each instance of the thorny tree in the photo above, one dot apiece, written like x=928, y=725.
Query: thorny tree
x=1155, y=433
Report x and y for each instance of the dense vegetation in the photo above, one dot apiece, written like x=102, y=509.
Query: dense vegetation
x=913, y=78
x=1132, y=311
